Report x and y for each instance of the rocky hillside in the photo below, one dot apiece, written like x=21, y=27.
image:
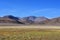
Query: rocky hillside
x=29, y=20
x=9, y=19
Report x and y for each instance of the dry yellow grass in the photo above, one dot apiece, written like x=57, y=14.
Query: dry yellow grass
x=29, y=33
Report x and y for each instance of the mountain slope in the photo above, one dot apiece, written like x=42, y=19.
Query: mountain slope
x=9, y=19
x=30, y=20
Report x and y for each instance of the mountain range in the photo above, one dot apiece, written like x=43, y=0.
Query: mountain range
x=30, y=20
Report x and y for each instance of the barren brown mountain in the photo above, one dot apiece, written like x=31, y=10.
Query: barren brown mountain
x=30, y=20
x=9, y=19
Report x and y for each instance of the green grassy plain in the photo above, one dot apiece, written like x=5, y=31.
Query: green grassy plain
x=29, y=34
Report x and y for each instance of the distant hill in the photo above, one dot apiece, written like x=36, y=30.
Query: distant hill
x=30, y=20
x=9, y=19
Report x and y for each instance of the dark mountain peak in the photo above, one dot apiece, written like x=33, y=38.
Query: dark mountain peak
x=31, y=18
x=11, y=17
x=8, y=16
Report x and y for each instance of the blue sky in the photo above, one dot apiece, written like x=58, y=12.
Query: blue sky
x=22, y=8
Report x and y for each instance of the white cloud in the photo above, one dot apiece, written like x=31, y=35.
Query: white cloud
x=7, y=11
x=48, y=11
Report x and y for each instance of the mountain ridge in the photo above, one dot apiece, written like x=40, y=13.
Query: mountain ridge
x=30, y=20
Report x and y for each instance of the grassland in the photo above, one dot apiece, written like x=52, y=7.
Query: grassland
x=29, y=33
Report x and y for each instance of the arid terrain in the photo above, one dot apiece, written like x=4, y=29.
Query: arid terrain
x=30, y=32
